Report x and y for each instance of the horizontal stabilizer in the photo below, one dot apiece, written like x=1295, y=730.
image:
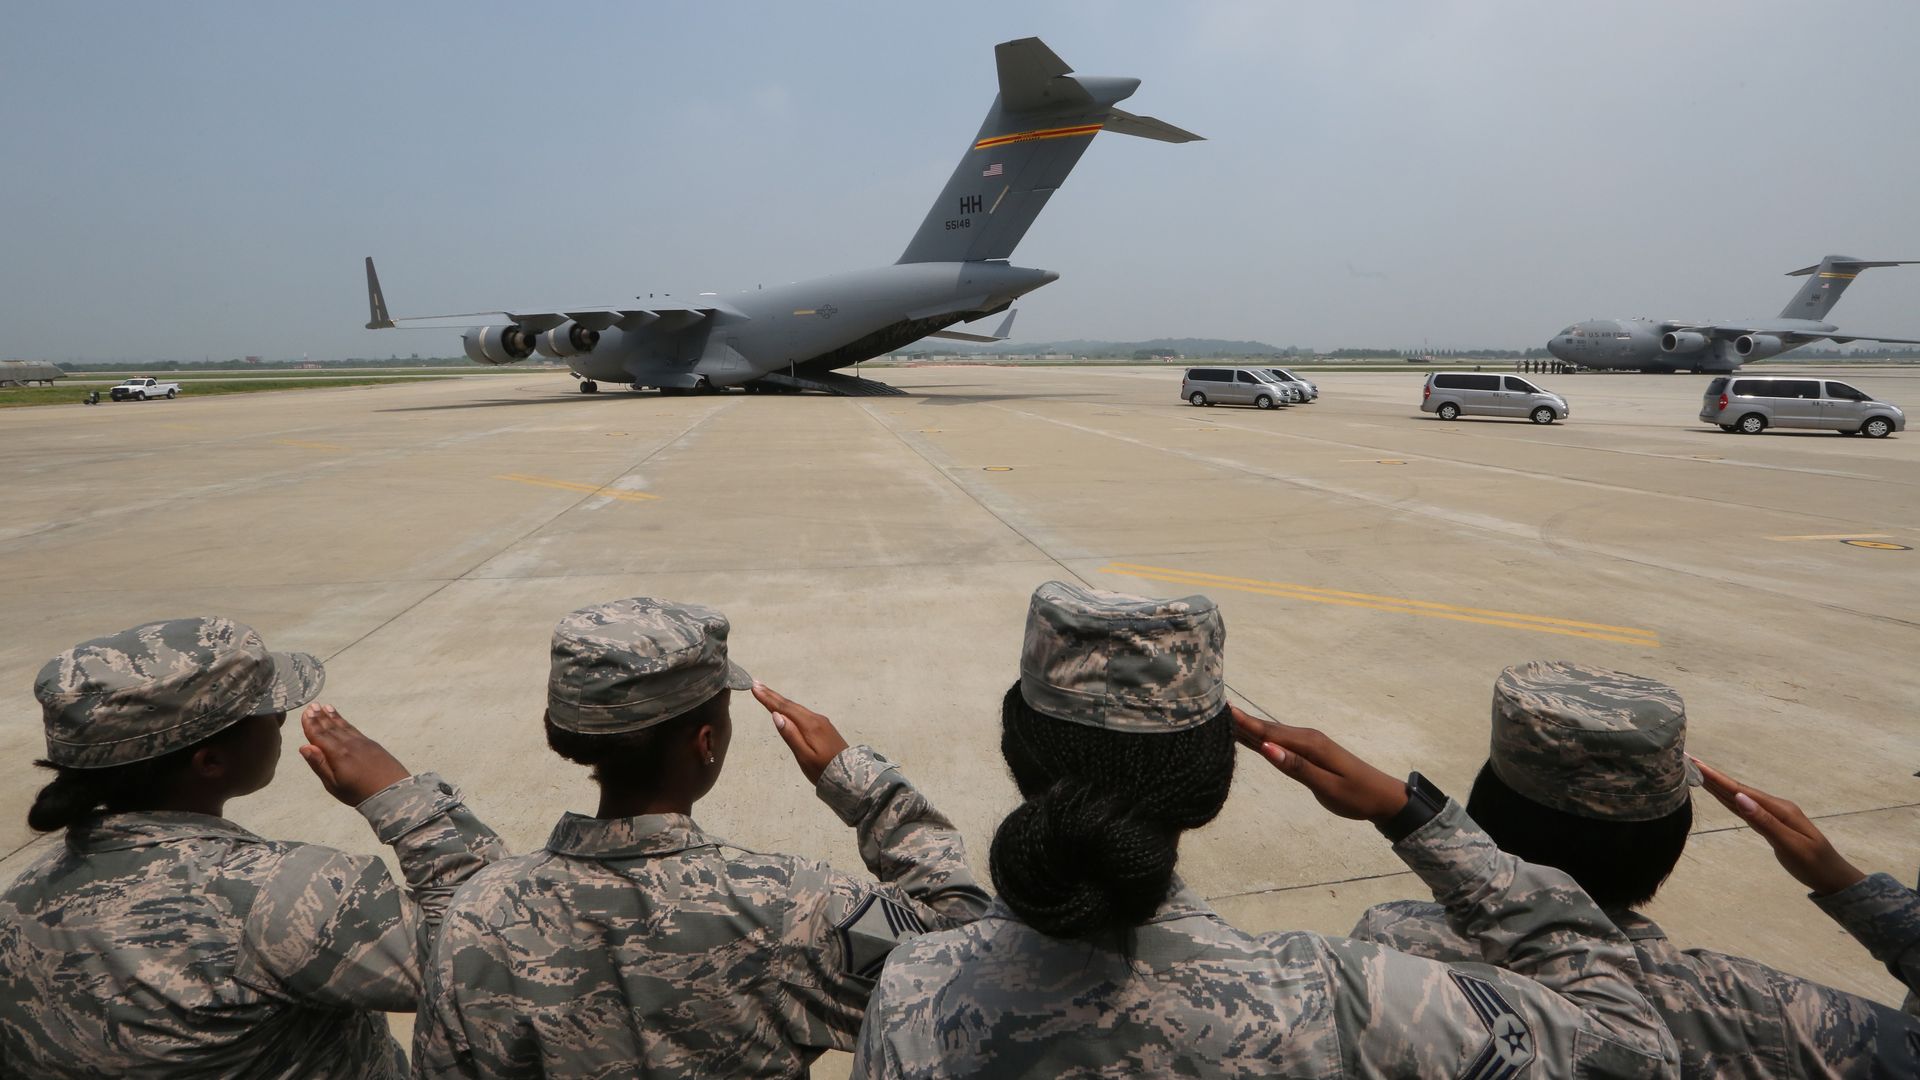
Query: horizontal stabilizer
x=1033, y=77
x=1833, y=262
x=1000, y=333
x=1122, y=122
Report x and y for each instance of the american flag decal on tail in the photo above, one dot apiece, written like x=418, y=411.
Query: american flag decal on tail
x=993, y=170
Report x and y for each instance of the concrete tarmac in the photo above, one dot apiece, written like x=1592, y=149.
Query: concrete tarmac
x=1377, y=569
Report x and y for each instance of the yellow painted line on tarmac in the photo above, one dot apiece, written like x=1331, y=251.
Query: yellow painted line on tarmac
x=588, y=489
x=1834, y=536
x=305, y=445
x=1542, y=624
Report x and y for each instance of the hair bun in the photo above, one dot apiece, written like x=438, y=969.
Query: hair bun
x=1076, y=861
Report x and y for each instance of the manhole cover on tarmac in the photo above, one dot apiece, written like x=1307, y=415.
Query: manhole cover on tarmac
x=1876, y=545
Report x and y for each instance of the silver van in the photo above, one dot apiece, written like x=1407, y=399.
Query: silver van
x=1232, y=386
x=1309, y=393
x=1750, y=404
x=1453, y=394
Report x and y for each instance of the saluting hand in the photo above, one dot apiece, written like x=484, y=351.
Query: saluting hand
x=1797, y=842
x=350, y=766
x=1339, y=779
x=814, y=740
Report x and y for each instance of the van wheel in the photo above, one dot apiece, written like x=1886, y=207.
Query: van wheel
x=1752, y=424
x=1877, y=428
x=1543, y=415
x=1263, y=402
x=1197, y=399
x=1449, y=411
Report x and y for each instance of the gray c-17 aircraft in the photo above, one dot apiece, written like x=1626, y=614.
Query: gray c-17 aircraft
x=1666, y=346
x=792, y=337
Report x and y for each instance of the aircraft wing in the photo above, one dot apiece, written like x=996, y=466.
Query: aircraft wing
x=1850, y=337
x=660, y=314
x=1800, y=333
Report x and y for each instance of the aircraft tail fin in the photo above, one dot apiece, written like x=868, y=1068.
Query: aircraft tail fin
x=1038, y=126
x=377, y=317
x=1825, y=283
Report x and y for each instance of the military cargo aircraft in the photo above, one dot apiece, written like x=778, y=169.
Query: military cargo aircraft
x=794, y=337
x=1668, y=345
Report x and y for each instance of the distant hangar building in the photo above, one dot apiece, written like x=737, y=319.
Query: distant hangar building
x=28, y=373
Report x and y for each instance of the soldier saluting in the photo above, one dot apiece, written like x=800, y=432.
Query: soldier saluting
x=163, y=939
x=635, y=943
x=1098, y=961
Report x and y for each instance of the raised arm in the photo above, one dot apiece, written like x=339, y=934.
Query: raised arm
x=904, y=841
x=333, y=927
x=1565, y=996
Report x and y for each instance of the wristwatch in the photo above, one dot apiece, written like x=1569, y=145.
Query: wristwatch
x=1424, y=801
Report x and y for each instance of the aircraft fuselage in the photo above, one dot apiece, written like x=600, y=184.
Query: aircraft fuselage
x=814, y=325
x=1637, y=345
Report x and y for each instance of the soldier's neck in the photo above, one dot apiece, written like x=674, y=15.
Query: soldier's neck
x=616, y=802
x=212, y=804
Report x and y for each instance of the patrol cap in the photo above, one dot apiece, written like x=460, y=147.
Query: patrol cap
x=1120, y=662
x=630, y=664
x=164, y=686
x=1592, y=742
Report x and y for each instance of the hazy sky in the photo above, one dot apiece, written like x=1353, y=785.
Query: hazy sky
x=203, y=179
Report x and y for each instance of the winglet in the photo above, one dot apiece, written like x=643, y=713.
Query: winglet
x=378, y=319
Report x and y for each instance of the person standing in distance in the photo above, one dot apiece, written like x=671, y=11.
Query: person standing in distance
x=162, y=939
x=635, y=944
x=1098, y=961
x=1588, y=772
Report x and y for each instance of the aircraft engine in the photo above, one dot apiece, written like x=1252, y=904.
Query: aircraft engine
x=567, y=339
x=1683, y=341
x=497, y=344
x=1758, y=346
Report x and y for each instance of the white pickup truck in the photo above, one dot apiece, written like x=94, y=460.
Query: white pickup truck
x=142, y=389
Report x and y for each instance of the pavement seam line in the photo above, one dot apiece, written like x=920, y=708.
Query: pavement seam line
x=518, y=540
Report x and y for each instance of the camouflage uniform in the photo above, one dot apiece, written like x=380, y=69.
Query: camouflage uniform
x=645, y=946
x=1883, y=915
x=164, y=943
x=1611, y=746
x=1192, y=996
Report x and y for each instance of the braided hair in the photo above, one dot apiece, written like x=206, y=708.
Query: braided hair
x=75, y=795
x=1090, y=853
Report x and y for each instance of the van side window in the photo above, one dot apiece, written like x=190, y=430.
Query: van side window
x=1243, y=377
x=1752, y=388
x=1447, y=382
x=1844, y=392
x=1521, y=386
x=1480, y=382
x=1796, y=388
x=1207, y=375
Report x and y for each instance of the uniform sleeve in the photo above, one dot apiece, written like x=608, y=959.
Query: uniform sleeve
x=873, y=1055
x=1883, y=915
x=333, y=929
x=1559, y=990
x=841, y=929
x=440, y=1047
x=904, y=841
x=1833, y=1033
x=1416, y=927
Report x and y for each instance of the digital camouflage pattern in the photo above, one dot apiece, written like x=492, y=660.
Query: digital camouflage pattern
x=1592, y=742
x=1883, y=915
x=165, y=944
x=1198, y=998
x=643, y=946
x=162, y=687
x=1730, y=1017
x=1124, y=663
x=631, y=664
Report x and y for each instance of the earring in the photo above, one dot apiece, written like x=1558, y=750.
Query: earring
x=709, y=759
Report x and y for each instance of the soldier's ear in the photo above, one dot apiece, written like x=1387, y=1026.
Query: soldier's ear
x=210, y=762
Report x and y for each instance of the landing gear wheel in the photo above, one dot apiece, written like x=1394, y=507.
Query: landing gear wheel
x=1542, y=415
x=588, y=386
x=1263, y=402
x=1752, y=424
x=1197, y=399
x=1877, y=428
x=1449, y=411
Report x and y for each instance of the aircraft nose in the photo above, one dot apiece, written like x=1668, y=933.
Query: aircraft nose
x=1553, y=346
